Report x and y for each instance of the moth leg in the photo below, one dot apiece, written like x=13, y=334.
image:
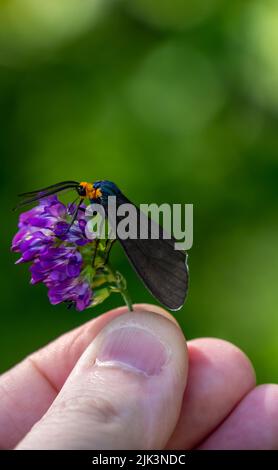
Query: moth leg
x=95, y=252
x=109, y=244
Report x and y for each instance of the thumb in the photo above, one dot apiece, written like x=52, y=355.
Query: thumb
x=125, y=391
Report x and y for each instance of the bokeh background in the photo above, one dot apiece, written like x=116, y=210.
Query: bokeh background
x=175, y=101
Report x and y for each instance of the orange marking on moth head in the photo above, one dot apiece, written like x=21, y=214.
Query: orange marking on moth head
x=96, y=193
x=91, y=192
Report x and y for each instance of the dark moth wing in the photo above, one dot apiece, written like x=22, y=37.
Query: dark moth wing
x=163, y=269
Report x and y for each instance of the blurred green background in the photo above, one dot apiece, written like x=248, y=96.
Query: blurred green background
x=175, y=101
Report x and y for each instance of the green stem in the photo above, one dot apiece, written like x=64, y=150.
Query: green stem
x=127, y=300
x=101, y=275
x=121, y=286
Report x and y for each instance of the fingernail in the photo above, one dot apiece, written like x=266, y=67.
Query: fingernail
x=135, y=348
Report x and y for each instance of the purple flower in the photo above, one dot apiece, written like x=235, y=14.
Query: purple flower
x=54, y=246
x=32, y=245
x=75, y=290
x=56, y=264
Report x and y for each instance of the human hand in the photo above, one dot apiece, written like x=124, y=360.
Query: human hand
x=128, y=381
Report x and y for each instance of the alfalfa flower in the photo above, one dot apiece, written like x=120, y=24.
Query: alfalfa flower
x=72, y=267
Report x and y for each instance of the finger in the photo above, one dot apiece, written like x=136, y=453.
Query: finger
x=125, y=392
x=220, y=375
x=28, y=389
x=253, y=425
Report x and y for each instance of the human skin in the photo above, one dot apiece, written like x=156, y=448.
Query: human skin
x=129, y=380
